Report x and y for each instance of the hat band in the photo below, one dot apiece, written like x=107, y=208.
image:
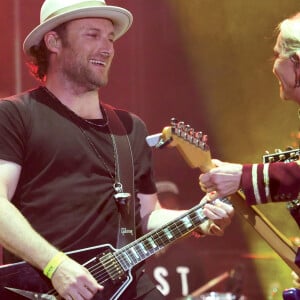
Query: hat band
x=74, y=7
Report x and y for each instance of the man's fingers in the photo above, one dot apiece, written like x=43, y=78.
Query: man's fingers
x=216, y=230
x=217, y=208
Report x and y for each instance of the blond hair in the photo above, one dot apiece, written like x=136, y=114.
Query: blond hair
x=289, y=30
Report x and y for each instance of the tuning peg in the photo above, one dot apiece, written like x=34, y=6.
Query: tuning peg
x=293, y=155
x=190, y=135
x=198, y=135
x=180, y=125
x=282, y=157
x=191, y=131
x=174, y=122
x=187, y=128
x=204, y=138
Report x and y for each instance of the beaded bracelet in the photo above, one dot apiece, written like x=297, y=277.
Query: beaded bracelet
x=53, y=264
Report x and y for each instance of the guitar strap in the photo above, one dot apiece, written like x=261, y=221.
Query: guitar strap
x=125, y=168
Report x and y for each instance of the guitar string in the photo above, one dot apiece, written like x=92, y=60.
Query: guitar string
x=106, y=269
x=111, y=266
x=160, y=237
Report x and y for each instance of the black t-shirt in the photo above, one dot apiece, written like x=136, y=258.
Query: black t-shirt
x=65, y=188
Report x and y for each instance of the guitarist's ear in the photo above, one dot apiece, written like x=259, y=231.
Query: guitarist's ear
x=295, y=59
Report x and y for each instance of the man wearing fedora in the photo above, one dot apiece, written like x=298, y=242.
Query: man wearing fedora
x=60, y=160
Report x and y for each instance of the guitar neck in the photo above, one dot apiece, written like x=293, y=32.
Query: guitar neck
x=149, y=244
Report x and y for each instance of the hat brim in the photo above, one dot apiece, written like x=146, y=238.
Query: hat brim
x=121, y=18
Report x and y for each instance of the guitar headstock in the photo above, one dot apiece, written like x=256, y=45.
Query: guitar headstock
x=191, y=144
x=286, y=156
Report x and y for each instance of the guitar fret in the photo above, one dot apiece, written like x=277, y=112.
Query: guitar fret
x=142, y=246
x=158, y=237
x=201, y=216
x=130, y=258
x=187, y=222
x=183, y=226
x=176, y=230
x=147, y=245
x=140, y=251
x=123, y=260
x=163, y=237
x=151, y=243
x=156, y=240
x=135, y=253
x=127, y=260
x=168, y=233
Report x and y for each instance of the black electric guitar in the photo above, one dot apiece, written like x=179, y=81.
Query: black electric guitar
x=111, y=267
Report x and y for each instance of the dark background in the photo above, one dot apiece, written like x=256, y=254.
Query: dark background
x=207, y=63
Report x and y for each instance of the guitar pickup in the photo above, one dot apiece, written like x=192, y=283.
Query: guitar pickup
x=112, y=267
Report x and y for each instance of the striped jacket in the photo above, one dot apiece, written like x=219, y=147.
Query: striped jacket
x=271, y=182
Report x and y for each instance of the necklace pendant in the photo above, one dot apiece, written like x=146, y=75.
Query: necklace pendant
x=120, y=196
x=118, y=187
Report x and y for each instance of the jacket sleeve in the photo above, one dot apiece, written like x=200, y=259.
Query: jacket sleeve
x=272, y=182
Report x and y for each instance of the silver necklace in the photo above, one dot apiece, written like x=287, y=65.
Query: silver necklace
x=117, y=185
x=95, y=124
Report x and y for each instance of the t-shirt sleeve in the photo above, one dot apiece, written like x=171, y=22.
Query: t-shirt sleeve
x=12, y=132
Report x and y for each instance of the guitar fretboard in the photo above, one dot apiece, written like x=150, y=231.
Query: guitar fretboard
x=151, y=243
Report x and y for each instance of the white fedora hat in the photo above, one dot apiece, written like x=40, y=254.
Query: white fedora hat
x=57, y=12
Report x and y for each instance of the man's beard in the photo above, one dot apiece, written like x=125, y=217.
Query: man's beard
x=85, y=77
x=77, y=72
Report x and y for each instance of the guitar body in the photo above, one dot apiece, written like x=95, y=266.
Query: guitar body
x=291, y=294
x=23, y=276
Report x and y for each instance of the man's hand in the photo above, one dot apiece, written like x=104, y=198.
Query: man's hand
x=224, y=179
x=73, y=282
x=219, y=214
